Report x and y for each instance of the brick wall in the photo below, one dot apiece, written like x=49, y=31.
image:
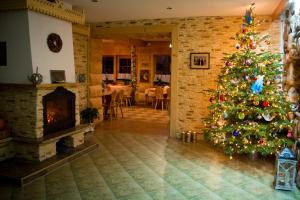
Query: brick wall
x=80, y=43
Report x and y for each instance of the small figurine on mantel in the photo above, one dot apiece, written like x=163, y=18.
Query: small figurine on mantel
x=36, y=78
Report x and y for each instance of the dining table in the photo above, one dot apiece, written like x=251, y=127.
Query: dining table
x=117, y=88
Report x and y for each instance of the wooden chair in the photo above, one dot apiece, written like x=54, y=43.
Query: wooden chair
x=119, y=102
x=116, y=103
x=127, y=96
x=112, y=105
x=159, y=98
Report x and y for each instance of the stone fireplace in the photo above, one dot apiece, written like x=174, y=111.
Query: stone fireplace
x=40, y=117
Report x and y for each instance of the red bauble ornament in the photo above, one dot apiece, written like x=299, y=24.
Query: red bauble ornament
x=222, y=97
x=228, y=63
x=266, y=104
x=252, y=45
x=262, y=141
x=290, y=134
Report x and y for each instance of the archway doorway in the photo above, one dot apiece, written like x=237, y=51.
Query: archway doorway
x=102, y=35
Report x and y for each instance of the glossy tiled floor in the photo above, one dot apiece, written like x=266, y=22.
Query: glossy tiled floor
x=137, y=161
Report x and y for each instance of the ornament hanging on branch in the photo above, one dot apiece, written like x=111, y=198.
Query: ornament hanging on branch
x=243, y=85
x=257, y=86
x=225, y=115
x=245, y=77
x=221, y=122
x=241, y=115
x=256, y=103
x=235, y=133
x=290, y=134
x=268, y=117
x=248, y=62
x=262, y=141
x=244, y=28
x=228, y=63
x=222, y=97
x=235, y=81
x=252, y=45
x=266, y=104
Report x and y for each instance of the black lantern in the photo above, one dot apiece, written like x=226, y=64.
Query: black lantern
x=285, y=170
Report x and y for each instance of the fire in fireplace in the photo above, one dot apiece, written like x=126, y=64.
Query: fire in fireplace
x=58, y=110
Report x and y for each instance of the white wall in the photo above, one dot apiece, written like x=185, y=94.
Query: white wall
x=15, y=32
x=40, y=26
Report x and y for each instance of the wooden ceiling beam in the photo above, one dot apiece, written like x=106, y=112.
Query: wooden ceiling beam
x=281, y=6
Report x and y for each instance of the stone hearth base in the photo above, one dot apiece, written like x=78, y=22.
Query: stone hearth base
x=45, y=148
x=20, y=172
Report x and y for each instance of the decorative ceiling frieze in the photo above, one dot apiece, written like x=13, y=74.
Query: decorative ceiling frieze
x=52, y=8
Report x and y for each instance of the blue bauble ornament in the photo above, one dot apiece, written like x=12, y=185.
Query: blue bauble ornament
x=235, y=133
x=257, y=86
x=248, y=19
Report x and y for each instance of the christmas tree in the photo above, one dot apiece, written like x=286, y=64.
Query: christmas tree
x=249, y=110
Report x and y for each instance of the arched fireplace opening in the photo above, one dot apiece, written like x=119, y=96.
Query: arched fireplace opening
x=58, y=110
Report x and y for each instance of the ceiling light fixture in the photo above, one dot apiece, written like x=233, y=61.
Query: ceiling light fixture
x=94, y=1
x=169, y=8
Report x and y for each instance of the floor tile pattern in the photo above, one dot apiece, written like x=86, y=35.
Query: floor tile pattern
x=136, y=161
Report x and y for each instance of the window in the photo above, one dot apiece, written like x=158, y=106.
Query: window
x=107, y=64
x=124, y=72
x=3, y=54
x=162, y=69
x=162, y=64
x=125, y=66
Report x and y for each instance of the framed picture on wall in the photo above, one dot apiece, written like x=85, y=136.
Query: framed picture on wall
x=199, y=60
x=144, y=76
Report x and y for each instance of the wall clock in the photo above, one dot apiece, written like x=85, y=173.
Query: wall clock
x=54, y=42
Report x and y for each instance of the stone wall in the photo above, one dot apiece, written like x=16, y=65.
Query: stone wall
x=80, y=44
x=18, y=107
x=198, y=34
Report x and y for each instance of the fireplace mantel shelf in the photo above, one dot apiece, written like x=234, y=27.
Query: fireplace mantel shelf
x=52, y=137
x=55, y=85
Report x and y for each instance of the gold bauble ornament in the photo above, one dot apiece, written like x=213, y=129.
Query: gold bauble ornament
x=245, y=141
x=243, y=85
x=256, y=103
